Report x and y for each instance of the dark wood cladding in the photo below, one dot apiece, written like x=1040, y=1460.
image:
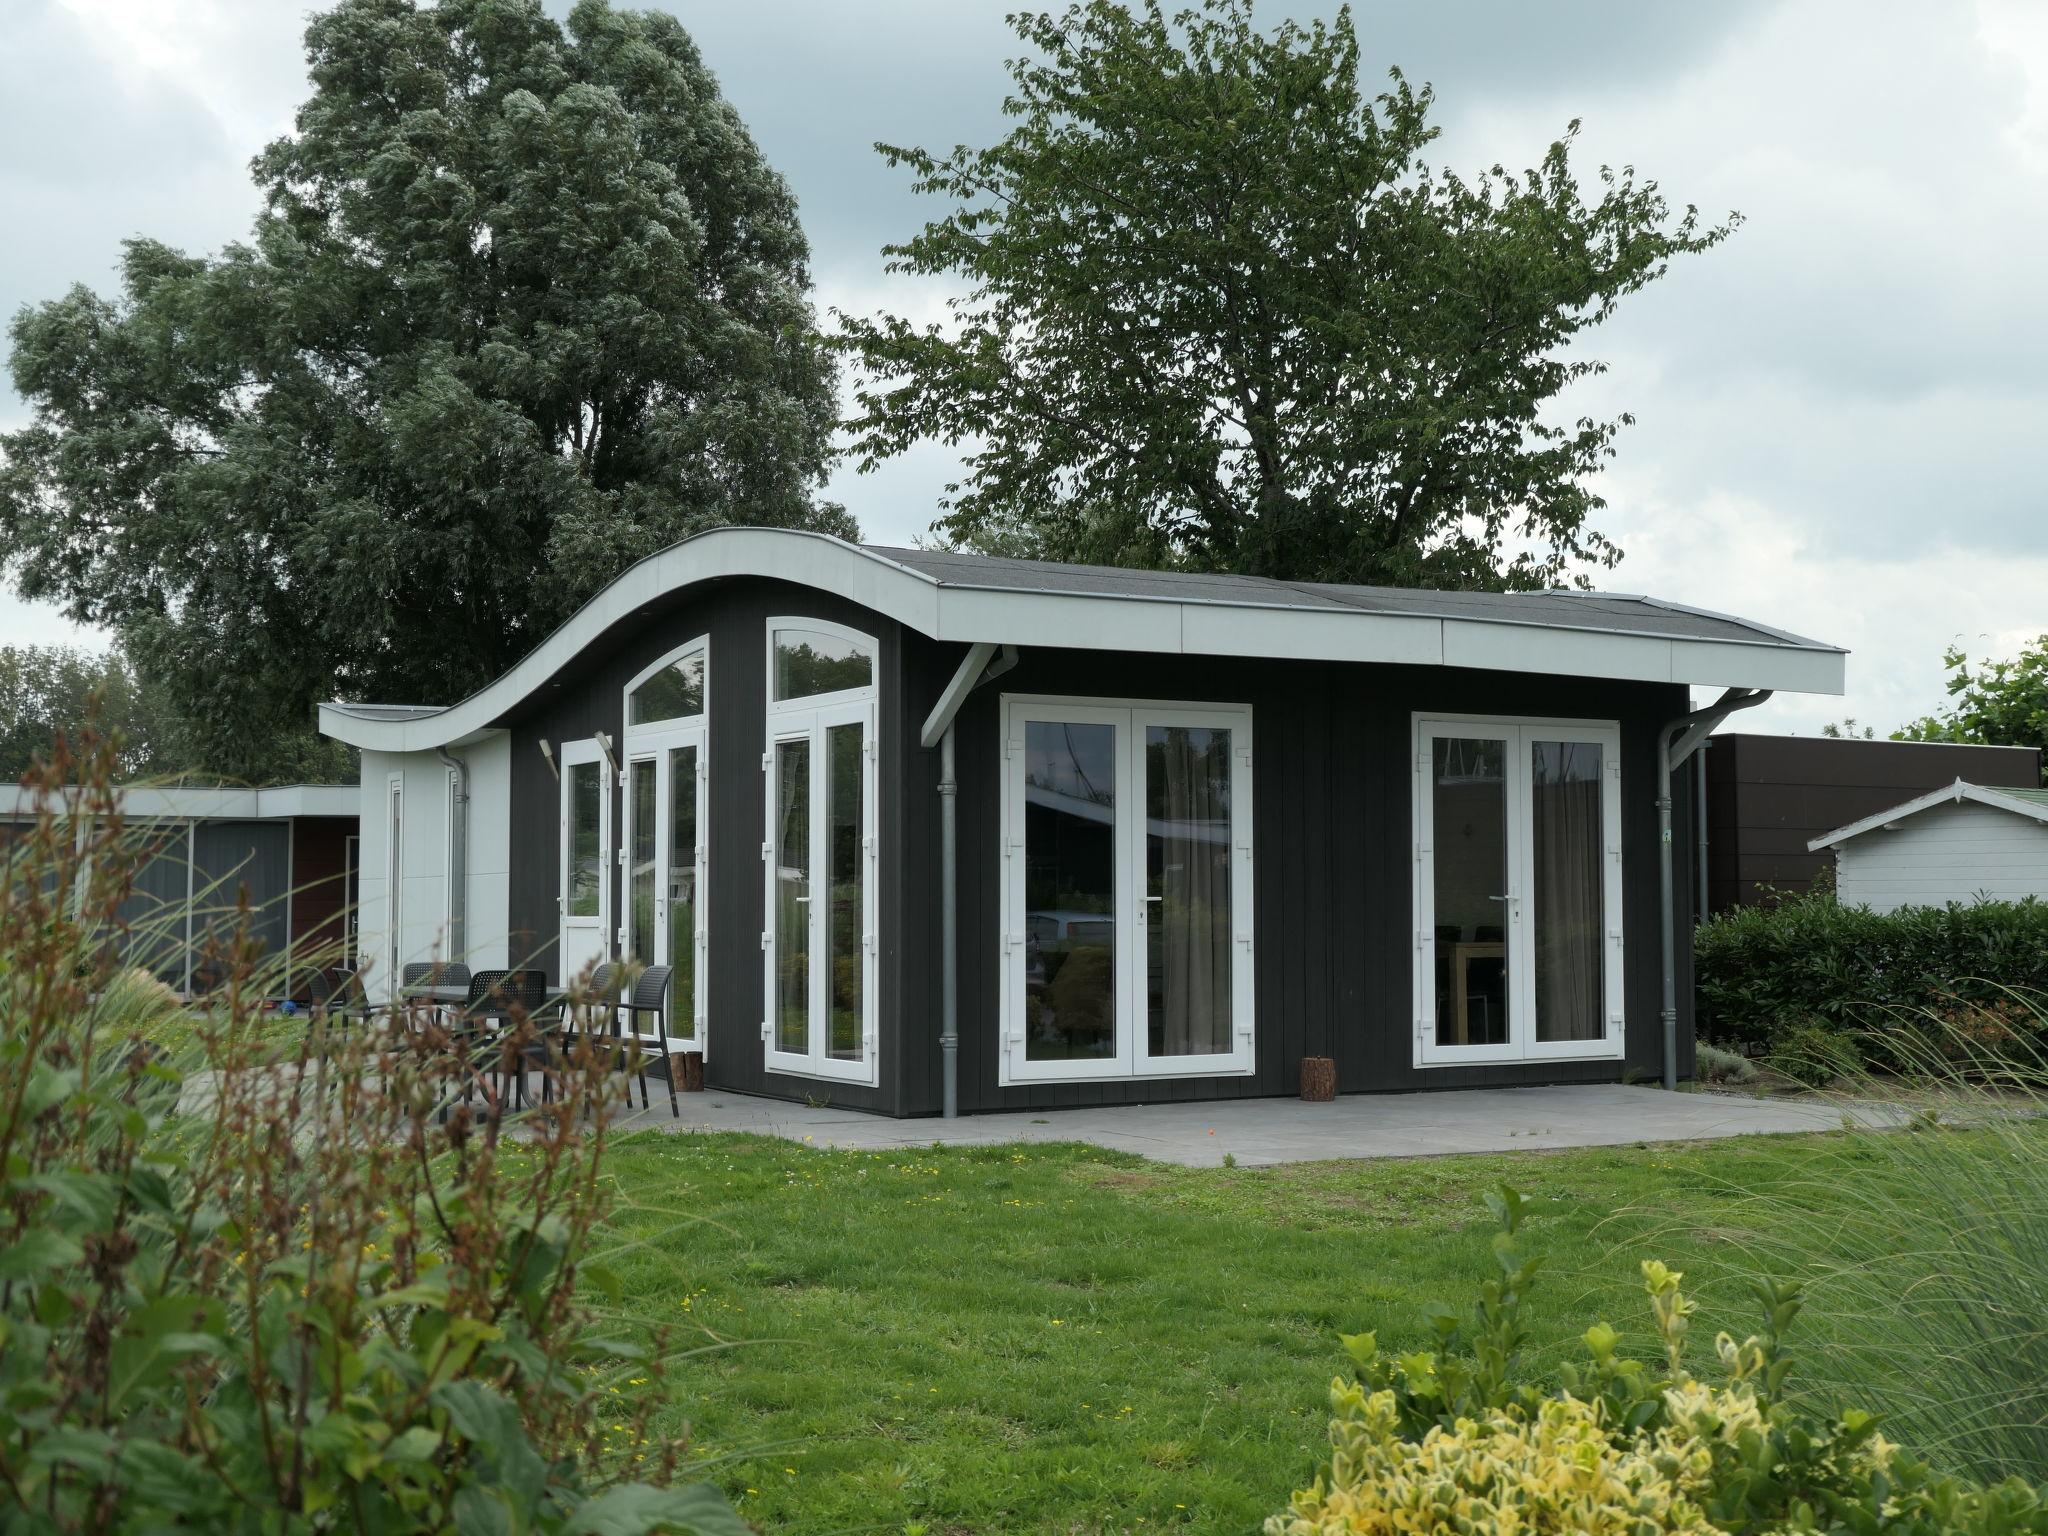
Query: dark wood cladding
x=589, y=697
x=1332, y=870
x=1768, y=796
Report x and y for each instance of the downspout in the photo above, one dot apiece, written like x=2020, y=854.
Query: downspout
x=1675, y=743
x=973, y=671
x=458, y=858
x=1699, y=794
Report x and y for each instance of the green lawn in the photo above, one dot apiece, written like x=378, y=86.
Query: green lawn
x=1061, y=1339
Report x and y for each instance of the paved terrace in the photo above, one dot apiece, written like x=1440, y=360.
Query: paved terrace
x=1262, y=1132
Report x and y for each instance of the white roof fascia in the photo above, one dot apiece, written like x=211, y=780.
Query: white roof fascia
x=1948, y=794
x=1111, y=622
x=194, y=802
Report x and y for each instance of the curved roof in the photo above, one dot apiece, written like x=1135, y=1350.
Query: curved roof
x=951, y=596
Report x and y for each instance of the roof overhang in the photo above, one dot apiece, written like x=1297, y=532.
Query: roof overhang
x=1948, y=794
x=177, y=802
x=1110, y=622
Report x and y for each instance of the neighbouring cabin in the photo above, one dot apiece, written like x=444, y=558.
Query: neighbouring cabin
x=1960, y=843
x=287, y=851
x=1205, y=826
x=1769, y=798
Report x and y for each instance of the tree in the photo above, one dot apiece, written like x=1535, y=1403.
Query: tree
x=1998, y=704
x=47, y=690
x=522, y=306
x=1220, y=314
x=1848, y=728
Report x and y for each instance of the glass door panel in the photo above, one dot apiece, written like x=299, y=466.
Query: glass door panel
x=1469, y=829
x=845, y=933
x=680, y=876
x=791, y=851
x=1070, y=886
x=642, y=876
x=1568, y=905
x=1189, y=996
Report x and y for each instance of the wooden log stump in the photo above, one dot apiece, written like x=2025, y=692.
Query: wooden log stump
x=1318, y=1079
x=693, y=1071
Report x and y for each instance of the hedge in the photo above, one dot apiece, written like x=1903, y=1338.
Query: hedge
x=1763, y=972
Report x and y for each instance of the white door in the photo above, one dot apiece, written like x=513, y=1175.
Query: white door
x=585, y=897
x=1127, y=891
x=1518, y=890
x=820, y=856
x=667, y=801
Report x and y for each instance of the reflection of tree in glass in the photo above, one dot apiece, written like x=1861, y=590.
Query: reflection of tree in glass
x=674, y=693
x=803, y=669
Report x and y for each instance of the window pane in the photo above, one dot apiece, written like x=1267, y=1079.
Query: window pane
x=847, y=872
x=640, y=866
x=585, y=788
x=674, y=693
x=811, y=661
x=1069, y=891
x=1187, y=890
x=793, y=896
x=1569, y=894
x=1468, y=828
x=682, y=890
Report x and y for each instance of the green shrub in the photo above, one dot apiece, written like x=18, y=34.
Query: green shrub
x=1763, y=971
x=1458, y=1439
x=1816, y=1054
x=315, y=1295
x=1719, y=1068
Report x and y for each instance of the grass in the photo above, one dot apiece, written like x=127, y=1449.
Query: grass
x=1034, y=1339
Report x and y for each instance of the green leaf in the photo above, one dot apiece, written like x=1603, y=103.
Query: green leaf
x=416, y=1444
x=174, y=1482
x=34, y=1252
x=90, y=1450
x=90, y=1195
x=481, y=1512
x=635, y=1510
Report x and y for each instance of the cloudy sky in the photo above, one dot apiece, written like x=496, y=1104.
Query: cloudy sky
x=1842, y=412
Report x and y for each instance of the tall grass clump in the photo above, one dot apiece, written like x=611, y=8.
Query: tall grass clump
x=1921, y=1234
x=256, y=1287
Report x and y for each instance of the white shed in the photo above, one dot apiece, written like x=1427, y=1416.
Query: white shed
x=1966, y=842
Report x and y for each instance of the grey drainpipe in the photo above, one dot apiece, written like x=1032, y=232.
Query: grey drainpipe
x=1675, y=743
x=974, y=670
x=458, y=858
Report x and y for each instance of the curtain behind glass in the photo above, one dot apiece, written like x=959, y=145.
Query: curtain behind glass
x=1569, y=892
x=1187, y=897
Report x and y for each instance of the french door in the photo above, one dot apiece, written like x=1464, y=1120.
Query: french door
x=1518, y=890
x=585, y=897
x=1127, y=892
x=820, y=856
x=667, y=803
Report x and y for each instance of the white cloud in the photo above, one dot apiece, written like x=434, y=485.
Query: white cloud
x=1839, y=410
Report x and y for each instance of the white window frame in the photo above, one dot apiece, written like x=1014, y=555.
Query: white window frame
x=655, y=740
x=1133, y=1060
x=1519, y=917
x=809, y=719
x=574, y=754
x=394, y=891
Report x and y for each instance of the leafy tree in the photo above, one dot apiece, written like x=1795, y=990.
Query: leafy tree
x=1848, y=728
x=46, y=690
x=523, y=305
x=1999, y=703
x=1221, y=314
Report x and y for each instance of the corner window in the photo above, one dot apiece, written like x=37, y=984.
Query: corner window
x=1518, y=890
x=819, y=764
x=810, y=662
x=1127, y=899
